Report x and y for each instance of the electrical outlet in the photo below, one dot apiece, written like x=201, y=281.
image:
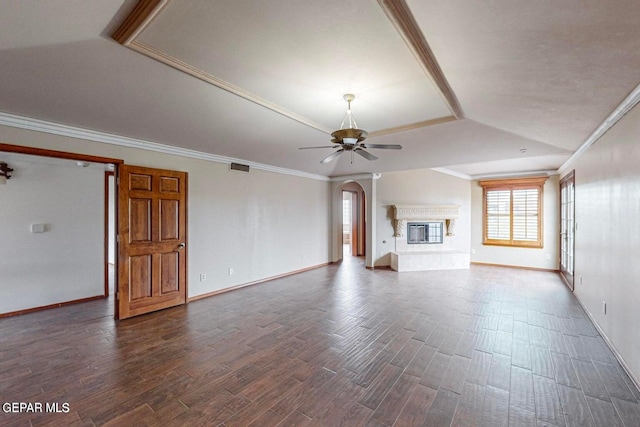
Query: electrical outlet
x=473, y=251
x=604, y=307
x=231, y=272
x=203, y=277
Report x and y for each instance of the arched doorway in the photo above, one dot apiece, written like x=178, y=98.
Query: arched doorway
x=353, y=220
x=366, y=185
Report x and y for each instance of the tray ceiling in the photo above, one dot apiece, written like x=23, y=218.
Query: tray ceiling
x=265, y=53
x=461, y=85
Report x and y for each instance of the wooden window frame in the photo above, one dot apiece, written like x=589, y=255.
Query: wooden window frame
x=536, y=183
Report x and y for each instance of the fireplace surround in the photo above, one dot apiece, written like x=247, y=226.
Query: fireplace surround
x=425, y=239
x=404, y=213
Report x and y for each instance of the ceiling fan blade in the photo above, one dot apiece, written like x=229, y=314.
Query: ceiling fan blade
x=323, y=146
x=365, y=154
x=332, y=156
x=385, y=146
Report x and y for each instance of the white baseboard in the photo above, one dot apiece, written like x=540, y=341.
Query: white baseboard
x=604, y=336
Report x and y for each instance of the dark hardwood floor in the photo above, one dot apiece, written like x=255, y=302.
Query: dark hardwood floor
x=339, y=345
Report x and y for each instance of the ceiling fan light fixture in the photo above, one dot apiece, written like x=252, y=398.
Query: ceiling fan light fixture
x=340, y=136
x=349, y=120
x=350, y=138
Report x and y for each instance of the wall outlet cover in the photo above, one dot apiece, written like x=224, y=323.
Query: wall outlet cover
x=38, y=228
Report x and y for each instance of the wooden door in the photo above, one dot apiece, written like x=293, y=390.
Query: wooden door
x=355, y=237
x=152, y=233
x=362, y=224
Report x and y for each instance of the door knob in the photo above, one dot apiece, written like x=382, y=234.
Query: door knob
x=181, y=246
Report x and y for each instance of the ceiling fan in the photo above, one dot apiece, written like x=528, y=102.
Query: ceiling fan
x=350, y=138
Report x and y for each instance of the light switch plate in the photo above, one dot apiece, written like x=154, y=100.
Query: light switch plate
x=37, y=228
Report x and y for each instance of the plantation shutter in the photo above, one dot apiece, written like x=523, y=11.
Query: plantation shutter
x=498, y=214
x=513, y=212
x=525, y=214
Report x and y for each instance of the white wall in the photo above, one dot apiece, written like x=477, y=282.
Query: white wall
x=544, y=258
x=260, y=223
x=608, y=235
x=66, y=262
x=420, y=187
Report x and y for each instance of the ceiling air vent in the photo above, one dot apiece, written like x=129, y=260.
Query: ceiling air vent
x=239, y=167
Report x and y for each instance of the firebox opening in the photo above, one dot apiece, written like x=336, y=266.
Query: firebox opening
x=424, y=233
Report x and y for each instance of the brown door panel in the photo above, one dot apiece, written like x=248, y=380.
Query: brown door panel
x=153, y=237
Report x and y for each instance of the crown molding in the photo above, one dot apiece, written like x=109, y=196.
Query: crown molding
x=453, y=173
x=410, y=126
x=625, y=106
x=547, y=173
x=357, y=177
x=27, y=123
x=141, y=15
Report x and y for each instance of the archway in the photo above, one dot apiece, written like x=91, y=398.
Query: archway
x=353, y=220
x=366, y=185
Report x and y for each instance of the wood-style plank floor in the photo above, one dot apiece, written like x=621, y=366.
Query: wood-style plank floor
x=335, y=346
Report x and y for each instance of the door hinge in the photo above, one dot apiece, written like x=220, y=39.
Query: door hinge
x=118, y=181
x=118, y=296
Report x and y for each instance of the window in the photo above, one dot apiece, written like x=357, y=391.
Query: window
x=512, y=212
x=346, y=214
x=346, y=211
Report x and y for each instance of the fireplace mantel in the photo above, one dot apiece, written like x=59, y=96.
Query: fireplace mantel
x=404, y=213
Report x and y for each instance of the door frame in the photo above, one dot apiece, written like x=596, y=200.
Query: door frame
x=354, y=210
x=107, y=203
x=355, y=223
x=43, y=152
x=568, y=277
x=358, y=243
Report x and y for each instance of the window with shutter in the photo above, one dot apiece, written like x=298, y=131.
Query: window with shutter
x=512, y=213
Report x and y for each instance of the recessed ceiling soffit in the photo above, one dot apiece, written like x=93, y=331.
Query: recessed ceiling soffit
x=297, y=60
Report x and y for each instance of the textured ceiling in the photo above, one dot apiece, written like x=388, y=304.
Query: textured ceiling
x=302, y=65
x=535, y=75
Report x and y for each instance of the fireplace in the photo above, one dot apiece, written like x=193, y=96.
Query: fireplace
x=446, y=214
x=424, y=233
x=430, y=242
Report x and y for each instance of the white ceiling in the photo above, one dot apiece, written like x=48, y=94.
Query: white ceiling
x=537, y=75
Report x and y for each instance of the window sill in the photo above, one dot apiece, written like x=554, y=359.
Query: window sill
x=529, y=245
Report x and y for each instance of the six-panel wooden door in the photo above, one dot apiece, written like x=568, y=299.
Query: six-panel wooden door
x=152, y=252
